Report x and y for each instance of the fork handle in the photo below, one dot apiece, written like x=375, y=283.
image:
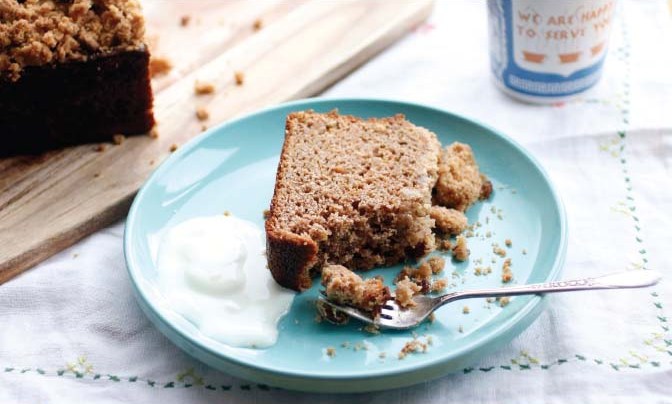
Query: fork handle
x=619, y=280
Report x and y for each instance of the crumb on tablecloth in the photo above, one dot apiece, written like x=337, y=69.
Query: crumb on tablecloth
x=202, y=113
x=159, y=66
x=203, y=88
x=239, y=77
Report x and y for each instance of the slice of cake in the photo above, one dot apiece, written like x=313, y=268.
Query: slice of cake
x=352, y=192
x=71, y=72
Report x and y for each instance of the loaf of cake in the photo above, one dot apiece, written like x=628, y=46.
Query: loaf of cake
x=71, y=72
x=352, y=192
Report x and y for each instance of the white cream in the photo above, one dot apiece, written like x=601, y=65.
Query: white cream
x=212, y=270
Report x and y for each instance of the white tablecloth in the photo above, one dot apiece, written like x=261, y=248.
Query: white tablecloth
x=71, y=330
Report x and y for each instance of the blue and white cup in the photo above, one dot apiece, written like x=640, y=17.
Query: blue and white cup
x=548, y=51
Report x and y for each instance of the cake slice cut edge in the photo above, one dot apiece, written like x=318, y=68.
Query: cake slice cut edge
x=352, y=192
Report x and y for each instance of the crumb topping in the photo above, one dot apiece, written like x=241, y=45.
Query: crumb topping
x=41, y=32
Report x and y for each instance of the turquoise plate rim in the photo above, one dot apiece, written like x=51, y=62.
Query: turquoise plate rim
x=269, y=373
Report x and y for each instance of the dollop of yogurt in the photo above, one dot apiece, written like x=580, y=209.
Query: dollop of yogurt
x=212, y=270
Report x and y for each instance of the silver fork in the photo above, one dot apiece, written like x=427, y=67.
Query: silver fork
x=394, y=317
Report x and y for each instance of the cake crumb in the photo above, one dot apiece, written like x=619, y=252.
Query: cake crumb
x=96, y=175
x=524, y=251
x=203, y=88
x=444, y=244
x=101, y=147
x=239, y=77
x=431, y=318
x=75, y=255
x=185, y=20
x=466, y=310
x=405, y=291
x=204, y=128
x=503, y=301
x=498, y=250
x=508, y=242
x=372, y=329
x=118, y=139
x=173, y=147
x=413, y=346
x=151, y=162
x=258, y=24
x=448, y=221
x=331, y=352
x=460, y=250
x=227, y=213
x=159, y=66
x=438, y=285
x=507, y=275
x=202, y=114
x=154, y=133
x=382, y=355
x=436, y=264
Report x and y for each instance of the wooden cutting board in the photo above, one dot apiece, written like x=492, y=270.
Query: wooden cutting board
x=49, y=202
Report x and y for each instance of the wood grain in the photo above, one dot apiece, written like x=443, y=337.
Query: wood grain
x=49, y=202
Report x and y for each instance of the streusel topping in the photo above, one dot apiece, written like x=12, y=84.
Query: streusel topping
x=42, y=32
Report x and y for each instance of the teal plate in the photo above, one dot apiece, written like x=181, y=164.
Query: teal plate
x=232, y=167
